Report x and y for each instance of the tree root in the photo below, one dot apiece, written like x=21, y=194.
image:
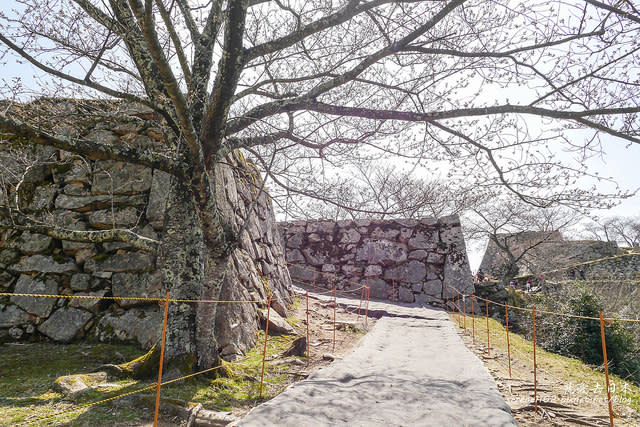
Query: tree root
x=145, y=366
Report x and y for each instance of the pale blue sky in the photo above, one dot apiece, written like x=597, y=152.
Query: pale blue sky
x=621, y=160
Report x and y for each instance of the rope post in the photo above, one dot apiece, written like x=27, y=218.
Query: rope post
x=266, y=337
x=464, y=311
x=308, y=352
x=486, y=304
x=506, y=311
x=535, y=364
x=164, y=338
x=366, y=311
x=446, y=303
x=335, y=304
x=606, y=368
x=473, y=318
x=361, y=298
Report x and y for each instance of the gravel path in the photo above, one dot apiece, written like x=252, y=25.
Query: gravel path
x=410, y=369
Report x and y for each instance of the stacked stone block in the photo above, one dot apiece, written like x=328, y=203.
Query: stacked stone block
x=406, y=260
x=80, y=194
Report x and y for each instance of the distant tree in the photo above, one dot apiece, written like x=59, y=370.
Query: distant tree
x=379, y=191
x=310, y=87
x=623, y=230
x=517, y=232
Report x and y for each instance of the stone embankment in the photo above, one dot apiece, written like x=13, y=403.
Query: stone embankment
x=403, y=260
x=543, y=251
x=76, y=193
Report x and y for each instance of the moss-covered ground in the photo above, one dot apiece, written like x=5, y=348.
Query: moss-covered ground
x=27, y=372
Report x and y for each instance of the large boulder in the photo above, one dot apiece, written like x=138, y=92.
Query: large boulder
x=112, y=177
x=120, y=263
x=142, y=326
x=44, y=264
x=65, y=324
x=158, y=199
x=382, y=252
x=141, y=285
x=11, y=316
x=40, y=307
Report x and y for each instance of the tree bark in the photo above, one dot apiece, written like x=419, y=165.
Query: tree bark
x=181, y=261
x=193, y=267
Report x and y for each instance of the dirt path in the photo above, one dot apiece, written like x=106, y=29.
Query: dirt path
x=561, y=402
x=410, y=369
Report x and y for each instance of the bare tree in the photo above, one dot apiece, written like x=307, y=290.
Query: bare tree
x=308, y=86
x=519, y=235
x=619, y=229
x=378, y=191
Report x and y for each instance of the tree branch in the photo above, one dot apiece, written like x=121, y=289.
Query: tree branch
x=83, y=82
x=298, y=104
x=90, y=149
x=615, y=10
x=20, y=221
x=229, y=70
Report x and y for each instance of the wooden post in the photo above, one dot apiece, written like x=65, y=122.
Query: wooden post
x=535, y=364
x=606, y=369
x=164, y=337
x=366, y=311
x=361, y=298
x=335, y=304
x=464, y=311
x=308, y=352
x=486, y=304
x=473, y=318
x=506, y=312
x=266, y=337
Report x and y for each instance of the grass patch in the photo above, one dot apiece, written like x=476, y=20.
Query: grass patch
x=27, y=372
x=242, y=386
x=560, y=367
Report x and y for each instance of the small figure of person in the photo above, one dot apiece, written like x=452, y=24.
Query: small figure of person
x=480, y=275
x=512, y=284
x=528, y=287
x=572, y=273
x=581, y=273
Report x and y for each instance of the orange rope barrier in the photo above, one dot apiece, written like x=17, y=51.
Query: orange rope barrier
x=266, y=337
x=464, y=311
x=606, y=369
x=473, y=318
x=360, y=305
x=159, y=383
x=308, y=352
x=335, y=305
x=488, y=339
x=506, y=312
x=535, y=364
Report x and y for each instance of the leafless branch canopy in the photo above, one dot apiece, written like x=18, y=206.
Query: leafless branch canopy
x=494, y=89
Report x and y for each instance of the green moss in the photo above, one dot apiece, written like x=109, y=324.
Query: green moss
x=27, y=371
x=59, y=258
x=100, y=257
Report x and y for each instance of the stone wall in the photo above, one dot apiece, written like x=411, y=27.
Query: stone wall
x=544, y=251
x=81, y=194
x=410, y=258
x=625, y=266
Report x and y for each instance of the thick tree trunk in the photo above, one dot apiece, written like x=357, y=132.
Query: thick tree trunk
x=189, y=271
